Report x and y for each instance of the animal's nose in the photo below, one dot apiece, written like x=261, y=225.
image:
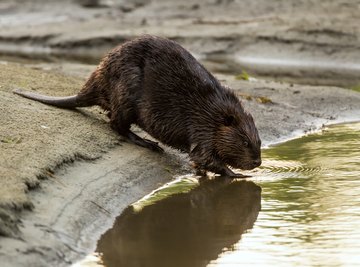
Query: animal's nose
x=257, y=163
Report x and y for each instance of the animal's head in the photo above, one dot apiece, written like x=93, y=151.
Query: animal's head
x=237, y=139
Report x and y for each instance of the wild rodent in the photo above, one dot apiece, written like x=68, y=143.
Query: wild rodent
x=155, y=83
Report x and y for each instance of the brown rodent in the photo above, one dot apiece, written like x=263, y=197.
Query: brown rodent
x=155, y=83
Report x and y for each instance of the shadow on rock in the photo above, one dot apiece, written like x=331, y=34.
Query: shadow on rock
x=184, y=229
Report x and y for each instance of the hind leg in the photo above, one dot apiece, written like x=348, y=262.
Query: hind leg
x=122, y=126
x=143, y=142
x=124, y=102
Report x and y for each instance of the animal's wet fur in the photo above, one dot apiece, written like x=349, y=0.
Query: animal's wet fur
x=155, y=83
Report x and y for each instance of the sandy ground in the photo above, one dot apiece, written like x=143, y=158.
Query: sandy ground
x=65, y=175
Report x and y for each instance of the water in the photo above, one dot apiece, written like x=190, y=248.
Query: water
x=288, y=67
x=309, y=190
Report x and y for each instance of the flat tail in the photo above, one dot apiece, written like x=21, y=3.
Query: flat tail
x=62, y=102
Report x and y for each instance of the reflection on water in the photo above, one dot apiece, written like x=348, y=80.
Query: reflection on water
x=183, y=229
x=309, y=217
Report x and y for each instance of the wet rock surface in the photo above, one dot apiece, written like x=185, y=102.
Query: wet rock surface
x=65, y=175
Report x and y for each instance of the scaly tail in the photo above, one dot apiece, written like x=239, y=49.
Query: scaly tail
x=62, y=102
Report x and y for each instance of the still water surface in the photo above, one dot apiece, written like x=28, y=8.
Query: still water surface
x=301, y=208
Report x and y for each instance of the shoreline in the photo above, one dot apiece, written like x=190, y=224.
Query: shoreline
x=54, y=198
x=81, y=199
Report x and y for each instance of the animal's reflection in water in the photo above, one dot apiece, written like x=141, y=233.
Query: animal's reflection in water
x=184, y=229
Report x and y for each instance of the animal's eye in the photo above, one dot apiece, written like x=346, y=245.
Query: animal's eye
x=245, y=143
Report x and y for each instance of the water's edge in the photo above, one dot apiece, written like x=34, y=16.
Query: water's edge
x=81, y=202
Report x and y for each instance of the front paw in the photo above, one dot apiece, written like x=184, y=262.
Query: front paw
x=229, y=173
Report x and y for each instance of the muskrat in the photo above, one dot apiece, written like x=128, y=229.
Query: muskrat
x=156, y=84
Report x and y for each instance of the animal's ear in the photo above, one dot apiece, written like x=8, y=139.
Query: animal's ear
x=229, y=120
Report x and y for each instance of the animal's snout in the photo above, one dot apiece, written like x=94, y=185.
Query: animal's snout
x=256, y=163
